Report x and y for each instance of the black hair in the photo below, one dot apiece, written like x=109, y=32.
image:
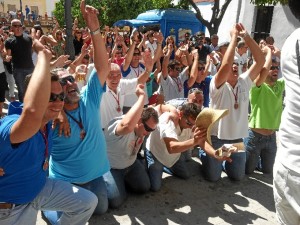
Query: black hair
x=148, y=113
x=190, y=110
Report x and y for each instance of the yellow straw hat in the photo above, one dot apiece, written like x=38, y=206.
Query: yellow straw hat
x=207, y=117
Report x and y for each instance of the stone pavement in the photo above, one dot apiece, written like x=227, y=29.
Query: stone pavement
x=197, y=201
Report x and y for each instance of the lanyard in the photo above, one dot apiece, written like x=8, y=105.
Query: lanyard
x=236, y=104
x=117, y=100
x=79, y=123
x=45, y=137
x=137, y=74
x=178, y=83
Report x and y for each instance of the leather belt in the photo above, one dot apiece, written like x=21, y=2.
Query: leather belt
x=7, y=205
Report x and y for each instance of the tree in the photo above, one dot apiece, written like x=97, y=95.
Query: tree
x=69, y=39
x=219, y=10
x=112, y=11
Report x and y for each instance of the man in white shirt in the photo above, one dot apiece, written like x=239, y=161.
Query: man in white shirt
x=124, y=137
x=117, y=89
x=230, y=91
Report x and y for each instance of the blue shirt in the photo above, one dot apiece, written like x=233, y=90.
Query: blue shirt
x=76, y=160
x=22, y=163
x=204, y=86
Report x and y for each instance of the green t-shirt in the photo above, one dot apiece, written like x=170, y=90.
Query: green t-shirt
x=266, y=105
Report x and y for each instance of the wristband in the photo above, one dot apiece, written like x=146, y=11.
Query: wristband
x=245, y=35
x=95, y=32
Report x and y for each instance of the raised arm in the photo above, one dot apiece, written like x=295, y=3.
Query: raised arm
x=131, y=118
x=100, y=56
x=148, y=62
x=194, y=69
x=130, y=51
x=35, y=101
x=226, y=66
x=266, y=68
x=164, y=69
x=258, y=56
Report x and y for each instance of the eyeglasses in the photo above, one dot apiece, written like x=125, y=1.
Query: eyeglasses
x=201, y=68
x=188, y=122
x=54, y=97
x=17, y=25
x=178, y=69
x=65, y=80
x=147, y=128
x=274, y=68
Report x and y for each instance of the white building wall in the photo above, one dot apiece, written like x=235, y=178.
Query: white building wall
x=50, y=6
x=283, y=23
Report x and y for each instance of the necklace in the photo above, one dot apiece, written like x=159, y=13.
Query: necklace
x=236, y=104
x=117, y=100
x=178, y=83
x=79, y=123
x=45, y=137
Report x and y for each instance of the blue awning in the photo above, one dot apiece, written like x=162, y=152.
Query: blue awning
x=135, y=23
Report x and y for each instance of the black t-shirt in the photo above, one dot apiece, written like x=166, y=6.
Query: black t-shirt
x=21, y=51
x=203, y=52
x=77, y=45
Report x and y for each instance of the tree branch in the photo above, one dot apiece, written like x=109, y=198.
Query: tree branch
x=199, y=14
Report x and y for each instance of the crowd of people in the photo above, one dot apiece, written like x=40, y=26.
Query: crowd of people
x=83, y=133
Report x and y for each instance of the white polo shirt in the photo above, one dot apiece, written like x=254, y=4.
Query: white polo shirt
x=132, y=73
x=121, y=150
x=109, y=104
x=155, y=143
x=235, y=124
x=173, y=87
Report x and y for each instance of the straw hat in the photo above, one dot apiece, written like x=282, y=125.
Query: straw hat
x=207, y=117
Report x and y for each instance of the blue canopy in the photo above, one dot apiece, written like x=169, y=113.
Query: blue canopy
x=135, y=23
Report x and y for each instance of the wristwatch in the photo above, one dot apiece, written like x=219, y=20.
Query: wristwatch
x=95, y=32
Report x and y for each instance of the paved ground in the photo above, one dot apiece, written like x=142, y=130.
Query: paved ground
x=196, y=201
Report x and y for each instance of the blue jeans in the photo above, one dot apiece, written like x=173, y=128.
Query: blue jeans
x=19, y=75
x=134, y=177
x=155, y=170
x=265, y=147
x=96, y=186
x=212, y=168
x=77, y=205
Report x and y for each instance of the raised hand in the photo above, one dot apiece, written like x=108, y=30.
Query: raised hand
x=158, y=36
x=148, y=61
x=140, y=90
x=90, y=15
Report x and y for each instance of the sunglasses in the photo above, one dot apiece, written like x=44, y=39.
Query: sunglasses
x=188, y=122
x=178, y=69
x=147, y=128
x=274, y=68
x=54, y=97
x=201, y=68
x=136, y=54
x=17, y=25
x=65, y=80
x=195, y=90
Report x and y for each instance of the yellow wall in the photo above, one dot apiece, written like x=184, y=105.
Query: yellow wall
x=41, y=4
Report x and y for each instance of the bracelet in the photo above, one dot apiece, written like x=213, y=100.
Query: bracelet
x=146, y=71
x=97, y=31
x=158, y=43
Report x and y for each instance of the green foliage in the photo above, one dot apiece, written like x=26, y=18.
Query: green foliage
x=111, y=11
x=270, y=2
